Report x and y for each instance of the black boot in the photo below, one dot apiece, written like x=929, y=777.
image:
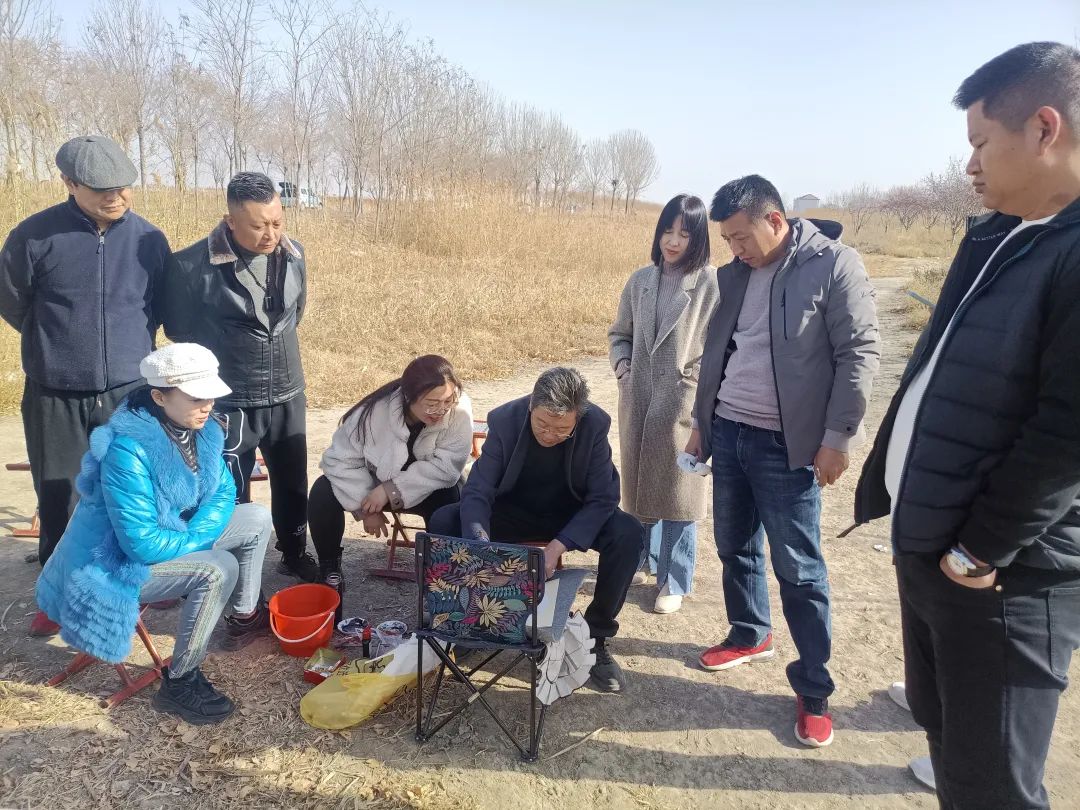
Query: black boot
x=606, y=674
x=300, y=565
x=330, y=574
x=192, y=697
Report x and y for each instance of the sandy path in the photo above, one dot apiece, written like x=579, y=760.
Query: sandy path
x=678, y=737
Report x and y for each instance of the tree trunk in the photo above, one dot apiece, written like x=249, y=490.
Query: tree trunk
x=142, y=155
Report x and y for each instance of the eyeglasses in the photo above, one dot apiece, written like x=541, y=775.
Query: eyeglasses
x=543, y=430
x=562, y=437
x=441, y=409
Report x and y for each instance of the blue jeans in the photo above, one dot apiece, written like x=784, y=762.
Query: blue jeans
x=754, y=494
x=672, y=550
x=227, y=576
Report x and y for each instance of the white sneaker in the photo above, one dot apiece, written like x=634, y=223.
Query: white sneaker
x=923, y=770
x=667, y=602
x=899, y=695
x=640, y=578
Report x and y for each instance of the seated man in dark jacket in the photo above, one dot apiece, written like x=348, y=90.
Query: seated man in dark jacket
x=241, y=294
x=77, y=281
x=978, y=457
x=546, y=474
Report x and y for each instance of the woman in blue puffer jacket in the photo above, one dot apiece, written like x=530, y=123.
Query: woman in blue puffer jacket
x=156, y=520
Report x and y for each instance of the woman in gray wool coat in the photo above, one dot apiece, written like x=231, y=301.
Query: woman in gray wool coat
x=656, y=345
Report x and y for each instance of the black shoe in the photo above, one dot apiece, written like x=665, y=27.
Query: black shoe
x=606, y=675
x=192, y=697
x=330, y=574
x=302, y=566
x=241, y=632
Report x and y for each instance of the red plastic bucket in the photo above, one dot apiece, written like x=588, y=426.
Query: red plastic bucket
x=302, y=617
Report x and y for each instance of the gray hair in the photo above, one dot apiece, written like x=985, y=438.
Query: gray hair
x=561, y=390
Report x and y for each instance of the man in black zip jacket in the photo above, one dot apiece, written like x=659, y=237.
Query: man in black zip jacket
x=77, y=281
x=978, y=459
x=241, y=294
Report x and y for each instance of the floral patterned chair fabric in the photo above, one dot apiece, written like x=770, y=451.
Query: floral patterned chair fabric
x=480, y=592
x=475, y=594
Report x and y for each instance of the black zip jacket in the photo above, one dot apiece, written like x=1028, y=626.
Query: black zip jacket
x=82, y=301
x=994, y=461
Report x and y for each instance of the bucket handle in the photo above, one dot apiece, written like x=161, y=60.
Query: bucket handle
x=308, y=637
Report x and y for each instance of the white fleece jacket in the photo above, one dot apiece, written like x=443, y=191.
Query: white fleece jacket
x=354, y=468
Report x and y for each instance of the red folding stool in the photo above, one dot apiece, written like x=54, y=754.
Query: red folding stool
x=132, y=685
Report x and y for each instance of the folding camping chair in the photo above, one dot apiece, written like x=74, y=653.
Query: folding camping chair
x=131, y=685
x=482, y=596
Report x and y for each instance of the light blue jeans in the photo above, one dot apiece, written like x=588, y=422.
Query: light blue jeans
x=672, y=554
x=225, y=577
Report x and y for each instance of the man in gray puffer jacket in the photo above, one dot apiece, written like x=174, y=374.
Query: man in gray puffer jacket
x=788, y=365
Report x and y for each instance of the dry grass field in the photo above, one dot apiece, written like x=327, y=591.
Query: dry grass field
x=484, y=281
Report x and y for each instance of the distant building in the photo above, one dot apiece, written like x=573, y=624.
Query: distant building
x=806, y=202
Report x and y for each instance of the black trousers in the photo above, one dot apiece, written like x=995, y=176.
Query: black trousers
x=619, y=544
x=280, y=433
x=57, y=426
x=326, y=516
x=984, y=671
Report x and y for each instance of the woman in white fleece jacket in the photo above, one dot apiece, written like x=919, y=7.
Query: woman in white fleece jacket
x=402, y=447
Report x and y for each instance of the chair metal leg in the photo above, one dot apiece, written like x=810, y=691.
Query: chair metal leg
x=534, y=738
x=419, y=689
x=477, y=695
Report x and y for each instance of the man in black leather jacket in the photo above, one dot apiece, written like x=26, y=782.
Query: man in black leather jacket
x=241, y=294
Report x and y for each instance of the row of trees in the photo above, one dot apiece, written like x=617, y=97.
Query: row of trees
x=348, y=103
x=941, y=198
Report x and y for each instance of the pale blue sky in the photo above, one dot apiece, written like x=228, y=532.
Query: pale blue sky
x=815, y=96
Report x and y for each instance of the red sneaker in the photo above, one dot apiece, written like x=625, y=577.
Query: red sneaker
x=728, y=655
x=42, y=626
x=813, y=726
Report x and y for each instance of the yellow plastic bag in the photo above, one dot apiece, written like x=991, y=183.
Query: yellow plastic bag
x=360, y=688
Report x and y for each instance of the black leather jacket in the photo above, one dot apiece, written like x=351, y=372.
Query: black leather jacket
x=205, y=303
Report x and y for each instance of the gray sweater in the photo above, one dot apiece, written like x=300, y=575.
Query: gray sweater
x=748, y=392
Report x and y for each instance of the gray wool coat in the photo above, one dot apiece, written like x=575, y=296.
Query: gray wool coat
x=656, y=397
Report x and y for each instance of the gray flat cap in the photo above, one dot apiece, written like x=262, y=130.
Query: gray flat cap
x=96, y=162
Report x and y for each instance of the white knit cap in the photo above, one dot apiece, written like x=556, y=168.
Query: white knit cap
x=187, y=366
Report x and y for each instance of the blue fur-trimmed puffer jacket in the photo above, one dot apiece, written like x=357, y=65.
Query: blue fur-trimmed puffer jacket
x=140, y=504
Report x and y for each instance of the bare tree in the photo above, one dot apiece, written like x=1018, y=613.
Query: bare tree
x=126, y=38
x=29, y=47
x=955, y=197
x=307, y=25
x=228, y=39
x=562, y=157
x=861, y=202
x=594, y=168
x=638, y=166
x=905, y=203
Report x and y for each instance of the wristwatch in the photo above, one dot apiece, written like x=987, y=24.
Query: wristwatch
x=963, y=566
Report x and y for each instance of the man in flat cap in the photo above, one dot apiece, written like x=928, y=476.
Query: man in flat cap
x=77, y=282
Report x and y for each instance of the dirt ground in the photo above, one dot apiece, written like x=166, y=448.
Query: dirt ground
x=677, y=737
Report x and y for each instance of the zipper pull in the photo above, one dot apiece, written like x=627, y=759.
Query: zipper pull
x=100, y=242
